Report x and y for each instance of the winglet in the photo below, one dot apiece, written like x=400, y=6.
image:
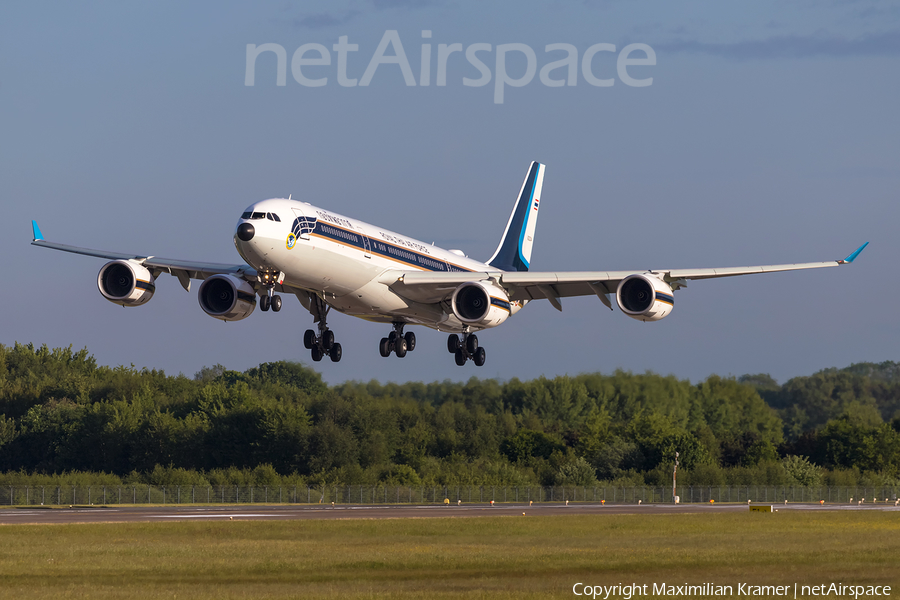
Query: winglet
x=36, y=231
x=853, y=256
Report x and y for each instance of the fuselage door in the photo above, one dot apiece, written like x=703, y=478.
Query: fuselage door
x=367, y=244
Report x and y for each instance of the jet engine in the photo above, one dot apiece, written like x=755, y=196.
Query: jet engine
x=480, y=303
x=645, y=297
x=227, y=297
x=126, y=282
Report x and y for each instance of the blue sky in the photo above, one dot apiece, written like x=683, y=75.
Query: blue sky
x=769, y=134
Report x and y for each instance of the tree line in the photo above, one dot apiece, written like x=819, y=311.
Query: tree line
x=65, y=419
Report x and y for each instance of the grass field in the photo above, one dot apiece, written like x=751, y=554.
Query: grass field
x=487, y=557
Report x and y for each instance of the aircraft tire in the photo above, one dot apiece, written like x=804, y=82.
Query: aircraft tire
x=335, y=353
x=400, y=347
x=309, y=339
x=276, y=303
x=472, y=344
x=384, y=347
x=460, y=358
x=264, y=303
x=410, y=341
x=453, y=343
x=316, y=354
x=479, y=357
x=327, y=339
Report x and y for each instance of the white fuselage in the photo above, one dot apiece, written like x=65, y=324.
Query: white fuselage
x=346, y=261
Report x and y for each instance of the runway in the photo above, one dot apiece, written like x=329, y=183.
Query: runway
x=292, y=512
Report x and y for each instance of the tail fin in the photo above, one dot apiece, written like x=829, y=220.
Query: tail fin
x=514, y=251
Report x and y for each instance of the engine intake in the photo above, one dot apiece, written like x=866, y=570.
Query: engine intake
x=645, y=297
x=126, y=282
x=227, y=297
x=480, y=303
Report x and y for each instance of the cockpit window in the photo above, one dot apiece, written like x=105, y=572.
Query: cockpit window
x=258, y=215
x=269, y=216
x=275, y=217
x=246, y=215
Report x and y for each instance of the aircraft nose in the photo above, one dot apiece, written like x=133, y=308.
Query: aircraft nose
x=245, y=232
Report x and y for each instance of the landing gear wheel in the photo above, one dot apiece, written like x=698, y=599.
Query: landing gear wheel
x=309, y=339
x=460, y=357
x=471, y=344
x=264, y=303
x=327, y=339
x=410, y=338
x=276, y=303
x=453, y=343
x=400, y=347
x=479, y=357
x=316, y=354
x=335, y=353
x=384, y=347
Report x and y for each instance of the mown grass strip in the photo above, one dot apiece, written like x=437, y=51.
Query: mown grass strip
x=490, y=557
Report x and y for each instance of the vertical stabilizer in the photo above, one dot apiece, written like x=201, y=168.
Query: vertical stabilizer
x=514, y=251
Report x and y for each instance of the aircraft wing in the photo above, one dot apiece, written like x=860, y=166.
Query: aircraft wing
x=426, y=286
x=184, y=270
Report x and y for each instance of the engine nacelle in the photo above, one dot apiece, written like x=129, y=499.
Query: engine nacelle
x=126, y=282
x=645, y=297
x=227, y=297
x=480, y=303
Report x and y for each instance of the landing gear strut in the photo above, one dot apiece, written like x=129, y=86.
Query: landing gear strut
x=466, y=349
x=397, y=342
x=321, y=344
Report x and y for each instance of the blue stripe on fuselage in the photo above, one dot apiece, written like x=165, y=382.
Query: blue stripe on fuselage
x=393, y=252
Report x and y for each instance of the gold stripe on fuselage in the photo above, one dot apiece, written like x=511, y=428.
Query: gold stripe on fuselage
x=383, y=255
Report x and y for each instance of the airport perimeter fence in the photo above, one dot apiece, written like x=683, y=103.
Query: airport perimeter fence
x=364, y=494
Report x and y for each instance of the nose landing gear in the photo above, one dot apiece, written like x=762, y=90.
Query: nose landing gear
x=268, y=280
x=466, y=349
x=270, y=300
x=397, y=342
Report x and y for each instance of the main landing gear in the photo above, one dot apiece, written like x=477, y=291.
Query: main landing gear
x=397, y=342
x=466, y=349
x=321, y=344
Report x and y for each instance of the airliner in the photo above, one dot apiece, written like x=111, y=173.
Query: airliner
x=330, y=261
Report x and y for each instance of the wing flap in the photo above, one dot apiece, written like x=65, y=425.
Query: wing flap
x=531, y=285
x=734, y=271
